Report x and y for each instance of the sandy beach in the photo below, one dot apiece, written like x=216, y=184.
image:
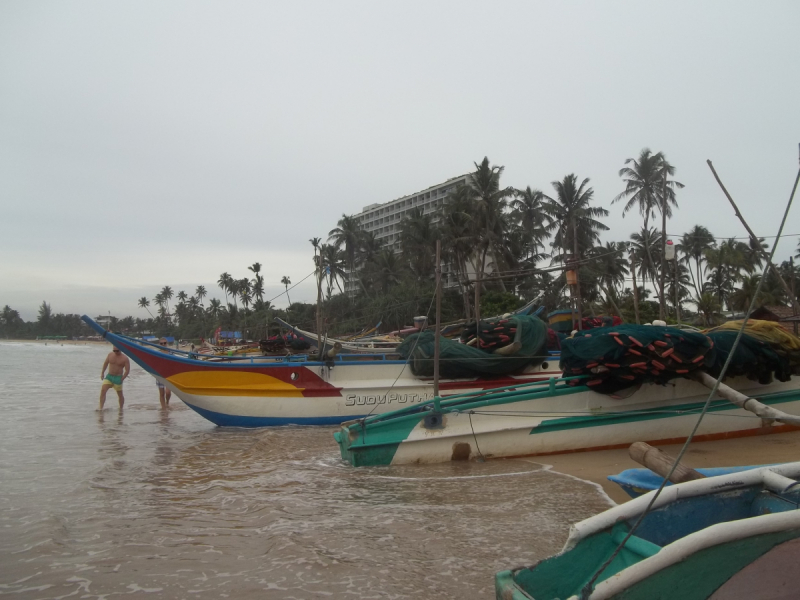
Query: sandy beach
x=759, y=450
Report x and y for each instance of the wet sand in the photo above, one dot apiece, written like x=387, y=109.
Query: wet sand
x=759, y=450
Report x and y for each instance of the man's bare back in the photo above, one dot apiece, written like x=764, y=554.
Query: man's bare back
x=118, y=367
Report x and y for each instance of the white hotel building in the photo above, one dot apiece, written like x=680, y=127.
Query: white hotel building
x=383, y=220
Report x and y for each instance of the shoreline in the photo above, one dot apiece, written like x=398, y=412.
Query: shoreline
x=45, y=342
x=596, y=466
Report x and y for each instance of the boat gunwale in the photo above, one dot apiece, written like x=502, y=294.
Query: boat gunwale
x=679, y=550
x=670, y=494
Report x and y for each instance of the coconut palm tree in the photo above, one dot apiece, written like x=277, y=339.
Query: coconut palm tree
x=528, y=208
x=223, y=282
x=258, y=281
x=166, y=293
x=233, y=287
x=214, y=308
x=333, y=266
x=385, y=271
x=418, y=237
x=611, y=267
x=286, y=283
x=145, y=303
x=648, y=187
x=645, y=181
x=742, y=297
x=693, y=246
x=200, y=293
x=684, y=282
x=347, y=235
x=489, y=201
x=574, y=220
x=457, y=229
x=753, y=254
x=368, y=248
x=725, y=264
x=647, y=262
x=665, y=203
x=709, y=309
x=258, y=292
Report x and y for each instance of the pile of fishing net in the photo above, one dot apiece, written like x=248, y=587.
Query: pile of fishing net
x=626, y=355
x=619, y=357
x=597, y=322
x=520, y=340
x=766, y=351
x=495, y=333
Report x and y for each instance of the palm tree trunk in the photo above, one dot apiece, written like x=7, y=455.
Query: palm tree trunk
x=478, y=277
x=635, y=288
x=319, y=308
x=607, y=292
x=662, y=300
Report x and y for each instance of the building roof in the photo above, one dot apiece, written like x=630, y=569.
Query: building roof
x=782, y=312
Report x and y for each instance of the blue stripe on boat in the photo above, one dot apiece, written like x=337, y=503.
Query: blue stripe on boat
x=224, y=420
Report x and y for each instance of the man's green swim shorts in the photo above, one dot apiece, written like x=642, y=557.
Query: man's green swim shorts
x=114, y=381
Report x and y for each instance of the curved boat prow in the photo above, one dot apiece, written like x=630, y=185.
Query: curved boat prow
x=94, y=325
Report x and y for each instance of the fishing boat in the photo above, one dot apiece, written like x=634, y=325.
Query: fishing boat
x=366, y=345
x=734, y=536
x=621, y=385
x=370, y=342
x=266, y=390
x=636, y=482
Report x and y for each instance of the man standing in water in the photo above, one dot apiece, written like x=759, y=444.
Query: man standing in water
x=164, y=394
x=118, y=367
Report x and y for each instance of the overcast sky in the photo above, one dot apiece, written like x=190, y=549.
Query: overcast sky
x=152, y=143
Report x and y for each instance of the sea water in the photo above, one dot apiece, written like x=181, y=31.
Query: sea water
x=152, y=503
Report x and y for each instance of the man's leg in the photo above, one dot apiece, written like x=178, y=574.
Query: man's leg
x=161, y=397
x=168, y=395
x=121, y=398
x=103, y=391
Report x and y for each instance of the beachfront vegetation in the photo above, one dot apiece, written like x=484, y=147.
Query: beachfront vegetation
x=501, y=247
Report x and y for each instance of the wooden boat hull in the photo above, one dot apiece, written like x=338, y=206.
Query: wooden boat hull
x=268, y=391
x=558, y=419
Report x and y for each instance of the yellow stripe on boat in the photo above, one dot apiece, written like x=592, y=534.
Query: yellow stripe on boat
x=233, y=383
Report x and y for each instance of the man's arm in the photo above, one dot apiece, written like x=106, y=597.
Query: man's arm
x=127, y=368
x=105, y=366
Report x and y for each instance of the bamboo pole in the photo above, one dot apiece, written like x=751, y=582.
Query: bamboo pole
x=660, y=463
x=753, y=237
x=750, y=404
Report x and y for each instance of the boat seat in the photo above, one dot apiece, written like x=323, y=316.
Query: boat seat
x=635, y=544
